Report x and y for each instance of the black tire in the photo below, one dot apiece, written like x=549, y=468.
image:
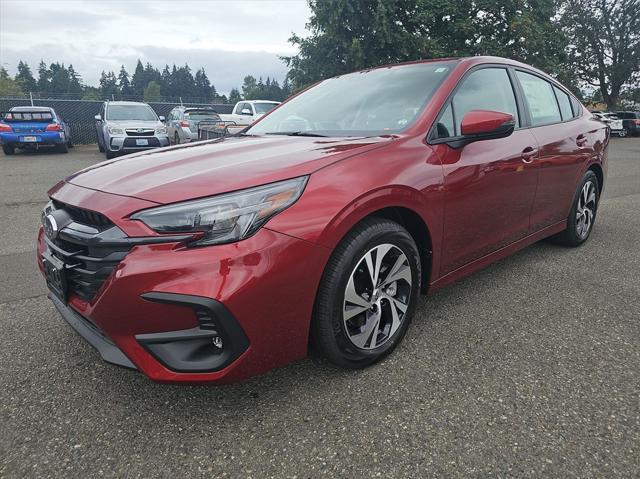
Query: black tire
x=110, y=154
x=70, y=144
x=100, y=147
x=8, y=149
x=176, y=139
x=572, y=236
x=63, y=148
x=329, y=333
x=622, y=133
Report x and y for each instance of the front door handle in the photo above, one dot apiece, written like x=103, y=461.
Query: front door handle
x=529, y=153
x=581, y=140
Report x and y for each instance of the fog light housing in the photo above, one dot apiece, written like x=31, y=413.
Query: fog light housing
x=215, y=343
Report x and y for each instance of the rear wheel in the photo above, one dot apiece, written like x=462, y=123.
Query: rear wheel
x=583, y=212
x=367, y=294
x=63, y=147
x=176, y=139
x=8, y=149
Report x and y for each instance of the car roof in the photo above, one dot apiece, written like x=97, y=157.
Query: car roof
x=31, y=108
x=127, y=103
x=260, y=101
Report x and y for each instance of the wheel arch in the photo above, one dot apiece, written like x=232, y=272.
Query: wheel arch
x=403, y=205
x=599, y=172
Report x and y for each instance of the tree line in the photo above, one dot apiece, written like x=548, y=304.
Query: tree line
x=147, y=82
x=591, y=46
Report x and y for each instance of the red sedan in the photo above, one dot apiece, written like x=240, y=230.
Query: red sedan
x=321, y=223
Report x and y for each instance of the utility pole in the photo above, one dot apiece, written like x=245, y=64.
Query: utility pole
x=31, y=98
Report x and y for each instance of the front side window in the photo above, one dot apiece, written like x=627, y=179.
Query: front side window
x=485, y=89
x=540, y=98
x=368, y=103
x=264, y=107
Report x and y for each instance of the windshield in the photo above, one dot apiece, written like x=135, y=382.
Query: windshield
x=264, y=107
x=131, y=112
x=374, y=102
x=198, y=115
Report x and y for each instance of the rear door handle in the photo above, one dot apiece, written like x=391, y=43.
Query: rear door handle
x=581, y=140
x=529, y=153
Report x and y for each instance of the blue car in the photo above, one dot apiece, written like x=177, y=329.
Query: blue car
x=33, y=127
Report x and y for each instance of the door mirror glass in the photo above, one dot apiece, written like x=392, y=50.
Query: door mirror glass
x=246, y=111
x=161, y=118
x=486, y=125
x=98, y=118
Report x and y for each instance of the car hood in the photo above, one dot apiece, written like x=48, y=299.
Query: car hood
x=203, y=169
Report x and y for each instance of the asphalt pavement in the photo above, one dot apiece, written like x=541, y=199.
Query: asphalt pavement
x=530, y=367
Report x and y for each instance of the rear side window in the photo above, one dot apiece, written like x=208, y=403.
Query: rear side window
x=564, y=102
x=540, y=98
x=486, y=89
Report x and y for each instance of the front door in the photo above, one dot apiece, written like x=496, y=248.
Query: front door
x=489, y=185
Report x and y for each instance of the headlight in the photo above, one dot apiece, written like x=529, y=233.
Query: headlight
x=115, y=130
x=161, y=130
x=225, y=218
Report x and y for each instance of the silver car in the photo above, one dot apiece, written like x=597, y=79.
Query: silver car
x=182, y=122
x=128, y=126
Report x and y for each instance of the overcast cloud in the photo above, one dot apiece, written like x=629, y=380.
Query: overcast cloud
x=230, y=39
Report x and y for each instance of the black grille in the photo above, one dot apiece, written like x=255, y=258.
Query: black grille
x=144, y=132
x=131, y=143
x=90, y=247
x=86, y=217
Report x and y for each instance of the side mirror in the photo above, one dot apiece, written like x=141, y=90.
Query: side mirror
x=246, y=111
x=98, y=118
x=162, y=119
x=486, y=125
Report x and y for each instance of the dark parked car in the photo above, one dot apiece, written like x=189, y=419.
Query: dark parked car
x=630, y=121
x=323, y=221
x=30, y=127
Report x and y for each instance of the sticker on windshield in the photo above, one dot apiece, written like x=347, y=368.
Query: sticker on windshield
x=441, y=69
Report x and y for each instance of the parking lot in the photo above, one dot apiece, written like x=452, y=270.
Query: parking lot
x=530, y=367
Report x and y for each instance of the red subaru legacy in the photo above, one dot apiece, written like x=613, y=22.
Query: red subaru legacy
x=321, y=223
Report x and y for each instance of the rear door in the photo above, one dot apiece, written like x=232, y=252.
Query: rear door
x=489, y=185
x=564, y=146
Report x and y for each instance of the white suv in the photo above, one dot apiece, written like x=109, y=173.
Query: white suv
x=128, y=126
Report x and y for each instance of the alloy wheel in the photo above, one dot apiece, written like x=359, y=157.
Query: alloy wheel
x=377, y=296
x=586, y=210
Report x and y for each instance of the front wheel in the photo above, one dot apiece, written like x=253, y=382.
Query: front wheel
x=622, y=133
x=583, y=212
x=110, y=154
x=8, y=149
x=367, y=294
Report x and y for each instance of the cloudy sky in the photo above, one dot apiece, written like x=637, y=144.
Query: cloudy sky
x=230, y=39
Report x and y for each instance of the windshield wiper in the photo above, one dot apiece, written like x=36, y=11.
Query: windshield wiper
x=295, y=133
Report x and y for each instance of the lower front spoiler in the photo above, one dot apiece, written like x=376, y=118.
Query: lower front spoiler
x=107, y=350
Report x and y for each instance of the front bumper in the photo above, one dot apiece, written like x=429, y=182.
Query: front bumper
x=43, y=138
x=257, y=295
x=130, y=144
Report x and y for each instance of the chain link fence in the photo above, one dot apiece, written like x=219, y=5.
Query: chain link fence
x=79, y=114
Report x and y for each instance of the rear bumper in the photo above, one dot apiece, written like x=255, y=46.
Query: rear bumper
x=44, y=138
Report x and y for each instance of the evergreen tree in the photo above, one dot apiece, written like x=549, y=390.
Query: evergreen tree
x=123, y=83
x=44, y=76
x=152, y=92
x=109, y=85
x=8, y=86
x=24, y=78
x=75, y=81
x=138, y=83
x=234, y=96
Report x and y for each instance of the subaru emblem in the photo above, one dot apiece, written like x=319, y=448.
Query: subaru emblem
x=50, y=227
